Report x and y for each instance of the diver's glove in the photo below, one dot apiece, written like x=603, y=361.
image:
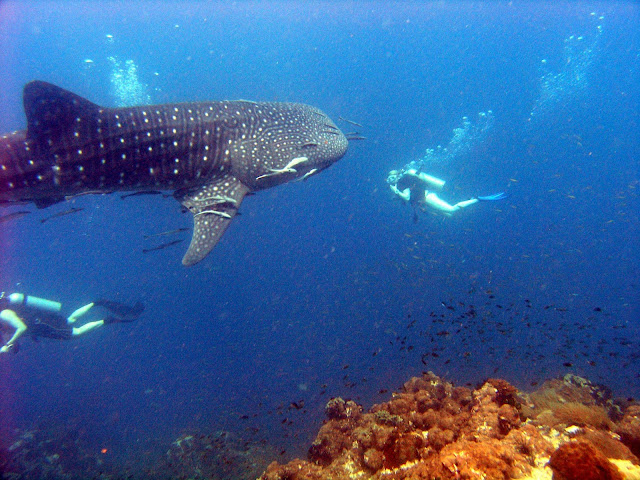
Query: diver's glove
x=494, y=197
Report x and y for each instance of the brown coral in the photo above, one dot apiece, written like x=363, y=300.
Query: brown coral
x=505, y=392
x=574, y=413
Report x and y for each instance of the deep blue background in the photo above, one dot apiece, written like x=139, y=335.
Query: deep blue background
x=313, y=290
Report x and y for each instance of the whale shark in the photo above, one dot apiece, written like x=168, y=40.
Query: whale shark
x=209, y=154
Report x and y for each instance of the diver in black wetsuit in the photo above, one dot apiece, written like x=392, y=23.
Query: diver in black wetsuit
x=38, y=317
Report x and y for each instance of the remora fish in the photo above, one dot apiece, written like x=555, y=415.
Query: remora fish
x=211, y=154
x=13, y=216
x=164, y=234
x=161, y=247
x=62, y=214
x=144, y=192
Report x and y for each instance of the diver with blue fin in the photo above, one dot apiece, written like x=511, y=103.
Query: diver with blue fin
x=41, y=318
x=419, y=189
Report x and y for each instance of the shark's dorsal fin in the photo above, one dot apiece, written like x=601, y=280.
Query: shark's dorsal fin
x=213, y=206
x=51, y=109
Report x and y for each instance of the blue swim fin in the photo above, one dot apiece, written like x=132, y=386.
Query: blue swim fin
x=494, y=197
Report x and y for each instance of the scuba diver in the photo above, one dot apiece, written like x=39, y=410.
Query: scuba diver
x=38, y=317
x=417, y=188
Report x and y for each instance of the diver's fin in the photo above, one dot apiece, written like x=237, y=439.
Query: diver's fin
x=213, y=207
x=119, y=309
x=51, y=109
x=494, y=197
x=108, y=320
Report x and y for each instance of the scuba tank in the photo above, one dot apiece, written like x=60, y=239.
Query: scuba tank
x=435, y=183
x=34, y=302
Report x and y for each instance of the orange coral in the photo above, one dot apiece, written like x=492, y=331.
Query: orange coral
x=629, y=429
x=608, y=445
x=580, y=460
x=431, y=429
x=464, y=459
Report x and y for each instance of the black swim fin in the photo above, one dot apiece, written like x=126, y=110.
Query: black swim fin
x=109, y=320
x=126, y=312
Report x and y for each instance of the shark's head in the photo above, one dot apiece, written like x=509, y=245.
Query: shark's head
x=326, y=144
x=292, y=141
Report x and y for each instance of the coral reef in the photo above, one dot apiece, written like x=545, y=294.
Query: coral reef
x=53, y=452
x=568, y=429
x=580, y=460
x=629, y=429
x=59, y=453
x=215, y=456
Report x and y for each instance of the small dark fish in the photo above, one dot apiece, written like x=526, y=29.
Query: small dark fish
x=164, y=234
x=297, y=405
x=62, y=214
x=141, y=192
x=355, y=137
x=13, y=216
x=350, y=121
x=160, y=247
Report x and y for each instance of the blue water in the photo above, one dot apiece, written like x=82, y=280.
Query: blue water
x=327, y=287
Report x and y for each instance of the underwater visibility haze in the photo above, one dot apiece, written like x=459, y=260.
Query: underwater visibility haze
x=334, y=285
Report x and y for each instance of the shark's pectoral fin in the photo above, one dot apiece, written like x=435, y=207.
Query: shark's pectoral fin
x=213, y=207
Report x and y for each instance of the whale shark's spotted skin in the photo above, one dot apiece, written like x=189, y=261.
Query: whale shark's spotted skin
x=211, y=154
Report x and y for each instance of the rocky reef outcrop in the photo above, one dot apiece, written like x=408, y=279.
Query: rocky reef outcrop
x=432, y=429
